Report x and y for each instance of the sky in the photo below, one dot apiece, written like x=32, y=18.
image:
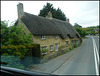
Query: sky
x=84, y=13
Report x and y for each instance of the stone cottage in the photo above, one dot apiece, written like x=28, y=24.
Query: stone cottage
x=52, y=34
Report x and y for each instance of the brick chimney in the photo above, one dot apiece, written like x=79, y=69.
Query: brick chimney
x=20, y=10
x=49, y=16
x=67, y=19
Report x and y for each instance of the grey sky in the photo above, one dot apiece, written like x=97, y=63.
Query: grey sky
x=85, y=13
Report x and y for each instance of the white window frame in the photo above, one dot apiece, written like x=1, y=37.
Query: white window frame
x=67, y=43
x=51, y=47
x=56, y=47
x=44, y=47
x=43, y=37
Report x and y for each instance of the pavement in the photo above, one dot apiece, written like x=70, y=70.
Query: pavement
x=85, y=61
x=56, y=63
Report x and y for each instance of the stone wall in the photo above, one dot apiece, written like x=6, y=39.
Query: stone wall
x=51, y=40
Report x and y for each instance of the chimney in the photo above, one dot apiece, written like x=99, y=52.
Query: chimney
x=20, y=10
x=49, y=16
x=67, y=19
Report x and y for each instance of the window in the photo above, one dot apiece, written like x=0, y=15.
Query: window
x=43, y=47
x=43, y=37
x=56, y=47
x=72, y=42
x=76, y=41
x=43, y=50
x=66, y=43
x=51, y=48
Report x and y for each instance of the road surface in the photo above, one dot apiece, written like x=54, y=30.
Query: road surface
x=85, y=61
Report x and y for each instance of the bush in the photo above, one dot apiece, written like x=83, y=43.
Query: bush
x=44, y=50
x=65, y=51
x=79, y=44
x=12, y=61
x=75, y=45
x=70, y=49
x=13, y=36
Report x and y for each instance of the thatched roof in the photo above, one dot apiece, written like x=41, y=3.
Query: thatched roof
x=42, y=26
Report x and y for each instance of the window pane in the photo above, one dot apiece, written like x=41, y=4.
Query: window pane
x=72, y=42
x=43, y=48
x=43, y=37
x=51, y=48
x=66, y=43
x=56, y=47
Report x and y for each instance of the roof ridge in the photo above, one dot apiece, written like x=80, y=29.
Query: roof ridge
x=46, y=18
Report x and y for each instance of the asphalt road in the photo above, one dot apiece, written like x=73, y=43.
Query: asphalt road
x=84, y=62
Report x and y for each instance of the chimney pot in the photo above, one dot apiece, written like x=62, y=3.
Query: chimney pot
x=49, y=16
x=68, y=20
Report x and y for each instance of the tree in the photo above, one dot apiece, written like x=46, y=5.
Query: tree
x=91, y=30
x=81, y=31
x=58, y=14
x=14, y=35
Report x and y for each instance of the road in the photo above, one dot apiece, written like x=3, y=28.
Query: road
x=85, y=61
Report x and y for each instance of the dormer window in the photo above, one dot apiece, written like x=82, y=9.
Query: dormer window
x=43, y=37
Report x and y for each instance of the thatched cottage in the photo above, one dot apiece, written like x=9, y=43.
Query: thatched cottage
x=52, y=34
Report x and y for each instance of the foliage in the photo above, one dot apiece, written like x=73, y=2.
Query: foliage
x=91, y=30
x=13, y=61
x=56, y=13
x=77, y=25
x=45, y=50
x=75, y=45
x=94, y=26
x=70, y=49
x=86, y=31
x=79, y=44
x=14, y=35
x=80, y=31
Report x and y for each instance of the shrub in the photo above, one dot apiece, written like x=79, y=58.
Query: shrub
x=70, y=49
x=65, y=51
x=44, y=50
x=12, y=61
x=75, y=45
x=79, y=44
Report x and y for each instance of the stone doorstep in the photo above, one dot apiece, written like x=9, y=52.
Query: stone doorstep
x=38, y=67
